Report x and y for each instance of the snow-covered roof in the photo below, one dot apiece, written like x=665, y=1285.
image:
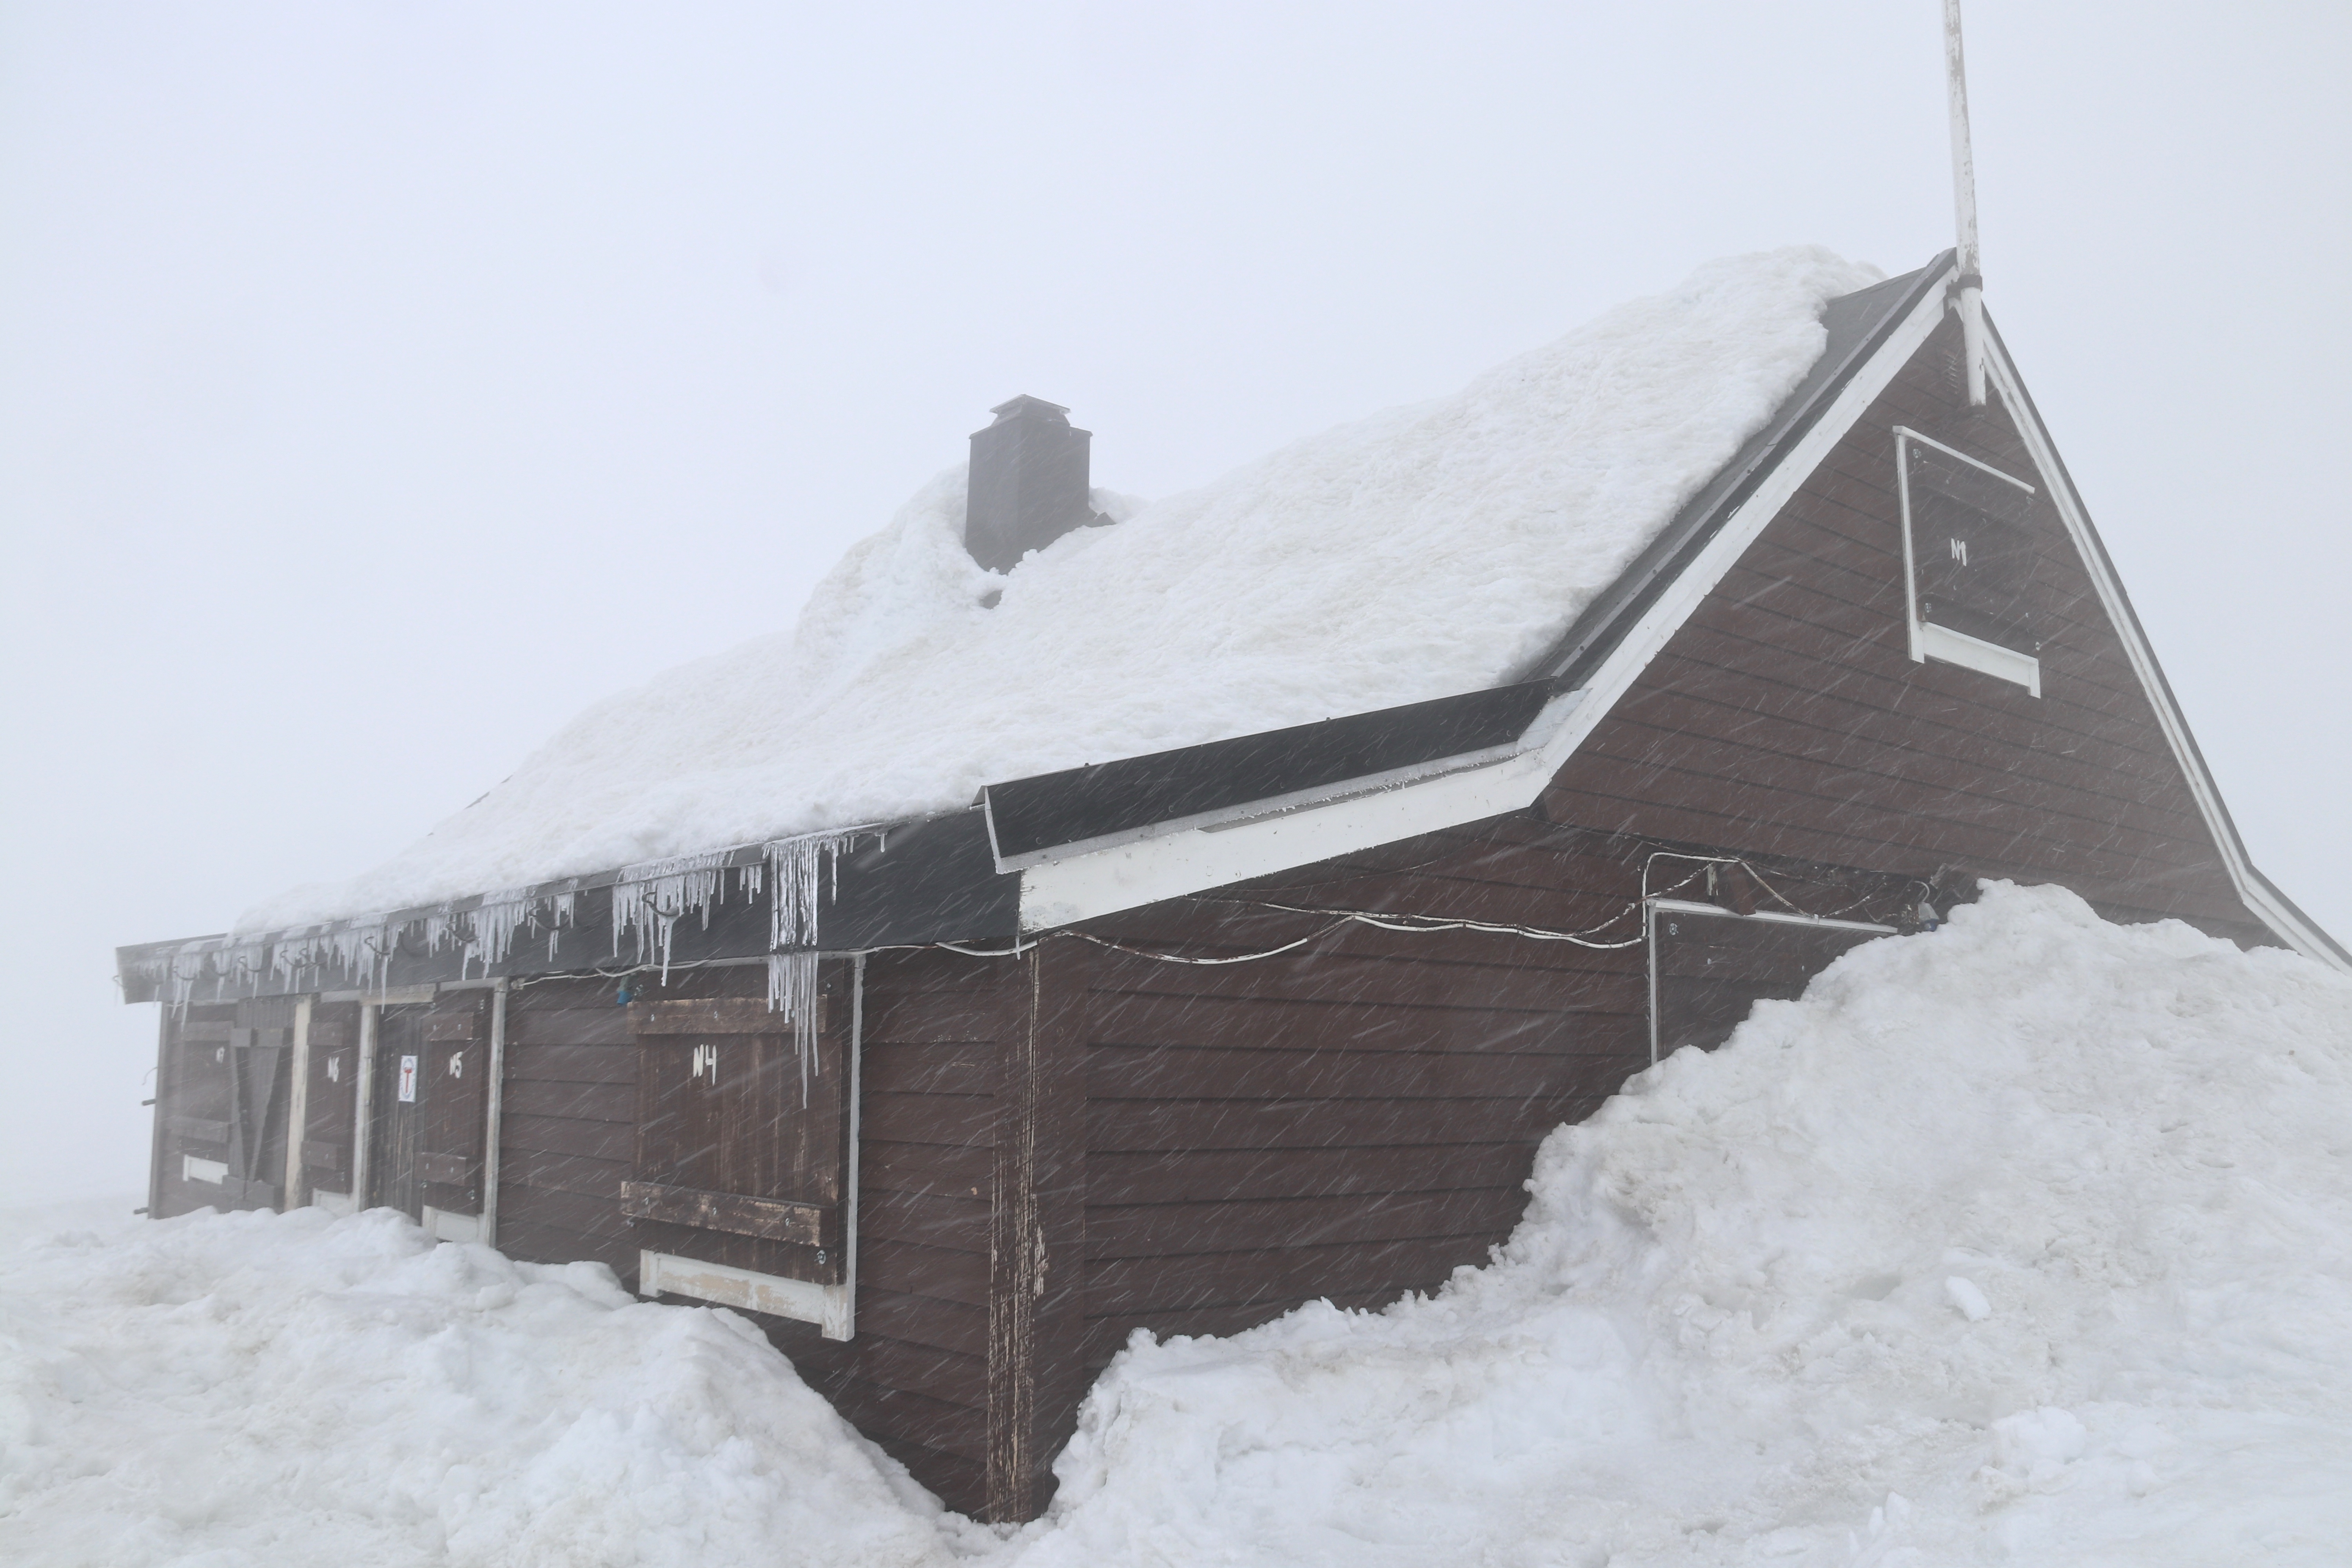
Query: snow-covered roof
x=1422, y=552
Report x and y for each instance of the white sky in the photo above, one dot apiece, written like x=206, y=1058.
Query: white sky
x=381, y=384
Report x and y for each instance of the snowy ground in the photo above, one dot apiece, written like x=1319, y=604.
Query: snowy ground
x=2029, y=1241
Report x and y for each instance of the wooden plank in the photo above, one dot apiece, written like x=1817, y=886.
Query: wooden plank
x=1283, y=1027
x=1242, y=1072
x=960, y=1120
x=958, y=1223
x=560, y=1135
x=929, y=1067
x=736, y=1213
x=1288, y=1274
x=713, y=1016
x=447, y=1170
x=584, y=1214
x=326, y=1156
x=1119, y=1176
x=600, y=1179
x=571, y=1064
x=921, y=1320
x=197, y=1129
x=572, y=1026
x=1363, y=1124
x=1182, y=1230
x=572, y=1100
x=946, y=1168
x=930, y=1271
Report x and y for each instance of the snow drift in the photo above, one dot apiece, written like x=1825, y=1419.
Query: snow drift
x=1425, y=551
x=2027, y=1241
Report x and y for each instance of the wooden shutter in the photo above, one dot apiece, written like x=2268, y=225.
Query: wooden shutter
x=741, y=1155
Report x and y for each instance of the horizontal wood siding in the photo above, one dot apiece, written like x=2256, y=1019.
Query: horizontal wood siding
x=1357, y=1117
x=1786, y=717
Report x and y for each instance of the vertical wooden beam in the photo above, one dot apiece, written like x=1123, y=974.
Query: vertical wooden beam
x=494, y=1114
x=363, y=1106
x=163, y=1109
x=1037, y=1242
x=296, y=1192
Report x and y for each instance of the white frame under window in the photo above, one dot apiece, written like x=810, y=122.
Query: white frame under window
x=1927, y=639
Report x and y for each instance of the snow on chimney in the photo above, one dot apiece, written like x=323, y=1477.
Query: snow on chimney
x=1029, y=481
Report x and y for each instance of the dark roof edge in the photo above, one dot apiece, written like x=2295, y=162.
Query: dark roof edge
x=1855, y=334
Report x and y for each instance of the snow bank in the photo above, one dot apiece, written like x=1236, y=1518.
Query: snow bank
x=2029, y=1241
x=1427, y=551
x=253, y=1389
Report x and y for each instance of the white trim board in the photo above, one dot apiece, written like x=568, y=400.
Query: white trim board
x=1340, y=820
x=2287, y=922
x=827, y=1306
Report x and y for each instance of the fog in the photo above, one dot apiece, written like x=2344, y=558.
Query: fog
x=380, y=385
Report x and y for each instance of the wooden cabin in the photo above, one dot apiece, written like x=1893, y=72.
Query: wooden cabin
x=1177, y=1042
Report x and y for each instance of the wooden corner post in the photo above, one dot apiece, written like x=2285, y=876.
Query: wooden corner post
x=1037, y=1233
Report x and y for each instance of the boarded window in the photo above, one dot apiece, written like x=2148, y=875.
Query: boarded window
x=1970, y=540
x=1709, y=966
x=742, y=1144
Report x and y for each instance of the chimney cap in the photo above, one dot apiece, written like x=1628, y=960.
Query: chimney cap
x=1014, y=407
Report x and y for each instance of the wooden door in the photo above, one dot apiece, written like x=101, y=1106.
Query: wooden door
x=429, y=1103
x=332, y=1101
x=740, y=1156
x=403, y=1090
x=450, y=1130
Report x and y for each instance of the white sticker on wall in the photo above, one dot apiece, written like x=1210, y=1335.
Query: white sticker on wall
x=335, y=1069
x=456, y=1064
x=408, y=1079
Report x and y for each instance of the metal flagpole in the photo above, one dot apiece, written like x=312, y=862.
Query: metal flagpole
x=1971, y=282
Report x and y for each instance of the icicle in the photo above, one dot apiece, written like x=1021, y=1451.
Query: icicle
x=800, y=864
x=792, y=991
x=495, y=923
x=652, y=898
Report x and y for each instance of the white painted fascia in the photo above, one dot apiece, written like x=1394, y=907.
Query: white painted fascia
x=1227, y=817
x=2288, y=923
x=1318, y=826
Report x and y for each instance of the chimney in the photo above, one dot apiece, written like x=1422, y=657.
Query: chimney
x=1029, y=474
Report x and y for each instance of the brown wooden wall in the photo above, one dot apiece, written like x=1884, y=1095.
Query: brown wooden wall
x=1787, y=716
